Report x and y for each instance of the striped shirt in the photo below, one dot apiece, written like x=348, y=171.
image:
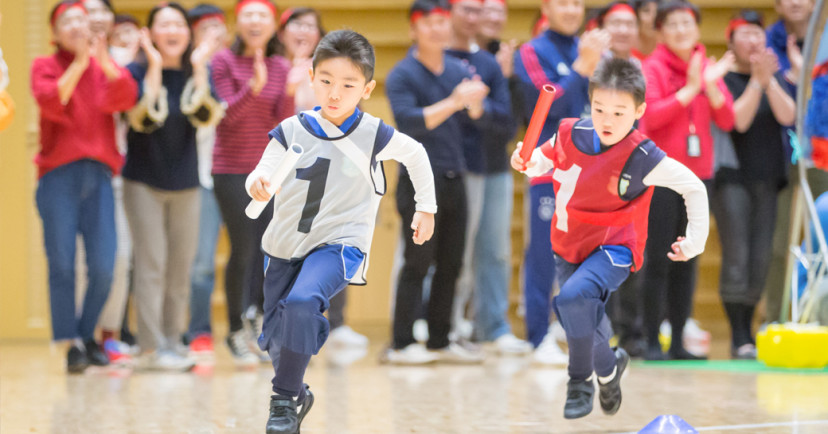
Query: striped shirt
x=241, y=137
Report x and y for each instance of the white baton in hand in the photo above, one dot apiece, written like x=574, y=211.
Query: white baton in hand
x=255, y=208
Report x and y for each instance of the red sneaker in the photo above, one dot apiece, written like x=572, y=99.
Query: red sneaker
x=202, y=346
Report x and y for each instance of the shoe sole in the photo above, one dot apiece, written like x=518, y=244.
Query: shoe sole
x=307, y=404
x=622, y=371
x=77, y=369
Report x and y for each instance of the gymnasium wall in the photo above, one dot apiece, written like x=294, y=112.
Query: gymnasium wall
x=24, y=308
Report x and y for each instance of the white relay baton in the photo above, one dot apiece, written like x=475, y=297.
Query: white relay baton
x=255, y=208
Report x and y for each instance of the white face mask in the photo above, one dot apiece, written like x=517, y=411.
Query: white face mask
x=122, y=55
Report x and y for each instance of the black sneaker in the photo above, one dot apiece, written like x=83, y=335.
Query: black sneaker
x=284, y=418
x=610, y=394
x=682, y=354
x=76, y=360
x=94, y=354
x=654, y=353
x=579, y=395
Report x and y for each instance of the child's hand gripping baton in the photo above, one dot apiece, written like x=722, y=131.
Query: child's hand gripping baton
x=547, y=96
x=255, y=208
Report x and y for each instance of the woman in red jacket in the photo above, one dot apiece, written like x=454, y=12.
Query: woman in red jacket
x=78, y=89
x=685, y=93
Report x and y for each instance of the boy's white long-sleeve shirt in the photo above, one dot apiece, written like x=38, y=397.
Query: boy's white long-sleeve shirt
x=333, y=195
x=671, y=174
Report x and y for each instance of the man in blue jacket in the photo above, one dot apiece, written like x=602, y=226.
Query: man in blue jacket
x=559, y=58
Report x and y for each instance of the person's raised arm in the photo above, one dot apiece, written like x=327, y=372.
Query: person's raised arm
x=67, y=82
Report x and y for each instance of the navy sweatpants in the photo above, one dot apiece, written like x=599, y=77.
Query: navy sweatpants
x=296, y=295
x=585, y=289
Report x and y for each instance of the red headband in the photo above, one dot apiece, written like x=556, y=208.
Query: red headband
x=503, y=2
x=620, y=7
x=542, y=21
x=451, y=2
x=733, y=25
x=216, y=15
x=285, y=17
x=244, y=3
x=63, y=8
x=416, y=15
x=591, y=24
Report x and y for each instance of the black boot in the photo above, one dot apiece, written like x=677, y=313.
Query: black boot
x=94, y=354
x=284, y=418
x=579, y=395
x=609, y=394
x=76, y=361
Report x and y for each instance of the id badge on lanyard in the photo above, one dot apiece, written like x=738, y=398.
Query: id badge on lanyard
x=693, y=143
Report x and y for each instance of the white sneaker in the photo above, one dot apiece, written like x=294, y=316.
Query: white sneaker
x=456, y=353
x=413, y=354
x=346, y=337
x=509, y=344
x=237, y=343
x=463, y=330
x=550, y=353
x=557, y=330
x=253, y=322
x=165, y=360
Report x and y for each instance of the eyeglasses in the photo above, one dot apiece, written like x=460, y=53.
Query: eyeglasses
x=298, y=26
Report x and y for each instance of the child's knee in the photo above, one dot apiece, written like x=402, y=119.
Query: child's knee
x=302, y=307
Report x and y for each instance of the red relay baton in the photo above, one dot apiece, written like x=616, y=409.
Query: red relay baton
x=530, y=141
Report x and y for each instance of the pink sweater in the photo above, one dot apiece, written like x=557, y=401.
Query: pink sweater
x=667, y=122
x=241, y=137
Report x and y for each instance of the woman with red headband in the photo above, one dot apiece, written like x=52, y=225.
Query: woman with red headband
x=78, y=89
x=745, y=192
x=252, y=79
x=685, y=93
x=161, y=185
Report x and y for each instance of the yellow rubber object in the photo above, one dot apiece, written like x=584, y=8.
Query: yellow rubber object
x=793, y=346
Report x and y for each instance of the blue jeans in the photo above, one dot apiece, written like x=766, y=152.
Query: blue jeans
x=203, y=274
x=485, y=275
x=539, y=262
x=77, y=198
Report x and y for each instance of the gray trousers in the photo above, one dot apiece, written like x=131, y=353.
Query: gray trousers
x=164, y=227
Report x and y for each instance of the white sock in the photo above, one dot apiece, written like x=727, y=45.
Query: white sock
x=607, y=379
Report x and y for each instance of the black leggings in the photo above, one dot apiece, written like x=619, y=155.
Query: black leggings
x=244, y=276
x=662, y=279
x=445, y=251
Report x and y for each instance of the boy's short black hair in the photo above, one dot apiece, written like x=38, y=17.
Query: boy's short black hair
x=350, y=45
x=202, y=10
x=621, y=75
x=748, y=15
x=669, y=7
x=427, y=6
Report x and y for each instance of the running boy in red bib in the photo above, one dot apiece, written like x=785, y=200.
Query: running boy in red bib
x=604, y=171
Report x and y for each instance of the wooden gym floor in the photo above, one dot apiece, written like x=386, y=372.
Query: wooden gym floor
x=355, y=394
